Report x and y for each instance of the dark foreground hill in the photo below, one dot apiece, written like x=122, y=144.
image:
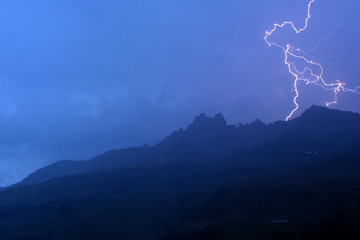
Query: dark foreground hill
x=303, y=182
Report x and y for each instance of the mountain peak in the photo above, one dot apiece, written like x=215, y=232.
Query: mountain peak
x=314, y=109
x=219, y=118
x=317, y=117
x=257, y=122
x=203, y=121
x=315, y=112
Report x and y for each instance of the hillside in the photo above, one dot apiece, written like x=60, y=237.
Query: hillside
x=301, y=184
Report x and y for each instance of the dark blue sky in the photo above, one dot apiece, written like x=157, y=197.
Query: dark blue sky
x=82, y=77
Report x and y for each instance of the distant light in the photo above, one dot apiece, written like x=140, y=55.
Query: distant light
x=311, y=152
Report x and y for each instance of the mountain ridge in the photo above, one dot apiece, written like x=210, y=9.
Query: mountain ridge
x=204, y=138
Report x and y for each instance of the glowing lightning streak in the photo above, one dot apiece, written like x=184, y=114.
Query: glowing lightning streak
x=337, y=28
x=314, y=78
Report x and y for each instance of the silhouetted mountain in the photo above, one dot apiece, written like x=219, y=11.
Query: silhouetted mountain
x=205, y=138
x=208, y=138
x=320, y=129
x=321, y=118
x=301, y=183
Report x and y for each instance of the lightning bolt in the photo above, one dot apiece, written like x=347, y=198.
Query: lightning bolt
x=337, y=28
x=308, y=74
